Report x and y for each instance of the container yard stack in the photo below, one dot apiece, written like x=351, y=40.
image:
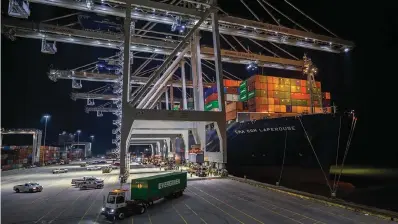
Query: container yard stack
x=257, y=94
x=232, y=109
x=196, y=155
x=243, y=91
x=267, y=96
x=326, y=101
x=231, y=91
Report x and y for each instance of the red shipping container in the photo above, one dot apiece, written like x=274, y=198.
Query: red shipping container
x=210, y=98
x=232, y=90
x=276, y=101
x=303, y=83
x=239, y=106
x=303, y=89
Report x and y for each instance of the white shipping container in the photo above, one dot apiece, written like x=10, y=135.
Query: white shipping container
x=231, y=97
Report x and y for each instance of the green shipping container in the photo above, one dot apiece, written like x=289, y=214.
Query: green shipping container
x=158, y=186
x=285, y=102
x=299, y=103
x=243, y=90
x=243, y=97
x=211, y=105
x=243, y=84
x=257, y=93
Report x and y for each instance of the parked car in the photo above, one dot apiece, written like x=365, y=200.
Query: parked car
x=62, y=170
x=28, y=187
x=91, y=184
x=94, y=168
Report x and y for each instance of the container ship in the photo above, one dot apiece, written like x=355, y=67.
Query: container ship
x=281, y=131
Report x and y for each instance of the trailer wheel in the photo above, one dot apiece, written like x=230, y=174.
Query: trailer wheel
x=143, y=209
x=120, y=216
x=17, y=190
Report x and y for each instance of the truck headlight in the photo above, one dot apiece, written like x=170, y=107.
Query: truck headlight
x=102, y=209
x=112, y=210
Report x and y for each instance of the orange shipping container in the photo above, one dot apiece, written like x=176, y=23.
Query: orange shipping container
x=303, y=83
x=318, y=110
x=231, y=83
x=294, y=109
x=277, y=108
x=275, y=80
x=230, y=115
x=270, y=87
x=283, y=108
x=318, y=84
x=270, y=79
x=230, y=107
x=271, y=108
x=261, y=100
x=270, y=94
x=277, y=101
x=327, y=96
x=295, y=89
x=271, y=101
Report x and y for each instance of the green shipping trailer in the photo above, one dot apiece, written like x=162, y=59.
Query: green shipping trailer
x=155, y=187
x=142, y=193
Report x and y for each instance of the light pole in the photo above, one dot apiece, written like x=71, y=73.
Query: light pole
x=46, y=117
x=78, y=136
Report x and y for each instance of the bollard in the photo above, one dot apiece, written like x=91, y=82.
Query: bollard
x=333, y=194
x=277, y=184
x=245, y=177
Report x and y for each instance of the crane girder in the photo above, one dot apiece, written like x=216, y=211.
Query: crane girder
x=97, y=96
x=97, y=77
x=227, y=24
x=114, y=41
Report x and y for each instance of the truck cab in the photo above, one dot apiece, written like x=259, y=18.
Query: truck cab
x=118, y=205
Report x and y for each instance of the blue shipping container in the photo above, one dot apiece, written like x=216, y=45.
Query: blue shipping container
x=288, y=108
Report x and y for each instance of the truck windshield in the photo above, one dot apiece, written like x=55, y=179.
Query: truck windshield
x=111, y=199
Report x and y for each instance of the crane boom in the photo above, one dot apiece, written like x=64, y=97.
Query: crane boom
x=107, y=40
x=227, y=24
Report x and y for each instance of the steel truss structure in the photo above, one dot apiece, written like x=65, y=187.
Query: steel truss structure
x=36, y=134
x=132, y=107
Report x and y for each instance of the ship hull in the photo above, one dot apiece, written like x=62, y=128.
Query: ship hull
x=297, y=152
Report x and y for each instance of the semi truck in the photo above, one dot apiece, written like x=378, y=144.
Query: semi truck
x=142, y=193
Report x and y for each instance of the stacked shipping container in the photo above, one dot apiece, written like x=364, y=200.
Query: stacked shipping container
x=231, y=91
x=13, y=157
x=268, y=94
x=232, y=109
x=49, y=153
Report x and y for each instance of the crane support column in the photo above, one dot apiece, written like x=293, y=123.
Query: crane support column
x=126, y=117
x=221, y=125
x=184, y=86
x=34, y=150
x=196, y=43
x=167, y=98
x=172, y=96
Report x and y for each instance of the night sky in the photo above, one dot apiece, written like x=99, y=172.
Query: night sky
x=362, y=80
